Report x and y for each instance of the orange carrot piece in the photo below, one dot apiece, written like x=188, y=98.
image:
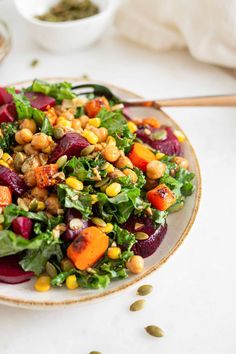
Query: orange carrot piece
x=140, y=156
x=152, y=121
x=93, y=107
x=88, y=247
x=161, y=197
x=45, y=175
x=5, y=196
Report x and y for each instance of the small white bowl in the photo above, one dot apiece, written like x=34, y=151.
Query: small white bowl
x=65, y=36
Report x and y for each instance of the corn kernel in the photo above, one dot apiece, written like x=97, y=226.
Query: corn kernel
x=40, y=205
x=132, y=127
x=159, y=155
x=179, y=135
x=62, y=122
x=110, y=168
x=113, y=189
x=111, y=141
x=74, y=183
x=7, y=158
x=3, y=163
x=95, y=122
x=94, y=198
x=42, y=283
x=114, y=252
x=107, y=229
x=90, y=136
x=71, y=282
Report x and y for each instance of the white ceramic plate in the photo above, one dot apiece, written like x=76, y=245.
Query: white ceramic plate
x=179, y=225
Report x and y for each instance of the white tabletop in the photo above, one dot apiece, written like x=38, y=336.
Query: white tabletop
x=194, y=297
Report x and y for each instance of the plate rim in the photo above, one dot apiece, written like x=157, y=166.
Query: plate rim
x=5, y=300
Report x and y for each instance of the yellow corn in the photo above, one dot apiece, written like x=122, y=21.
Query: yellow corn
x=40, y=205
x=107, y=229
x=7, y=158
x=74, y=183
x=94, y=198
x=179, y=135
x=90, y=136
x=63, y=122
x=110, y=168
x=95, y=122
x=111, y=141
x=114, y=252
x=3, y=163
x=42, y=283
x=71, y=282
x=132, y=127
x=159, y=155
x=113, y=189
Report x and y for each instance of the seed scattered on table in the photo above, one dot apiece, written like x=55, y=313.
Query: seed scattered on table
x=34, y=63
x=154, y=331
x=137, y=305
x=144, y=290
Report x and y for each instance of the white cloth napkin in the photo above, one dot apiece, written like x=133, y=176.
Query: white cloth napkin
x=206, y=27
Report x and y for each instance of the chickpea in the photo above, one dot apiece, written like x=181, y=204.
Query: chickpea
x=181, y=161
x=40, y=141
x=155, y=169
x=124, y=161
x=29, y=124
x=103, y=134
x=84, y=120
x=76, y=124
x=23, y=136
x=131, y=174
x=111, y=153
x=29, y=150
x=29, y=178
x=39, y=193
x=52, y=204
x=135, y=264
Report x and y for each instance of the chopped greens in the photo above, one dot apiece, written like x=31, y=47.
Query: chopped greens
x=59, y=91
x=8, y=135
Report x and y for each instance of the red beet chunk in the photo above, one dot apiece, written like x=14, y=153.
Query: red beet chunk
x=5, y=97
x=12, y=180
x=169, y=146
x=22, y=226
x=145, y=248
x=40, y=101
x=71, y=144
x=8, y=113
x=11, y=272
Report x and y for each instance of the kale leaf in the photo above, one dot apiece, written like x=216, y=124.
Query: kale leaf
x=47, y=127
x=59, y=91
x=8, y=135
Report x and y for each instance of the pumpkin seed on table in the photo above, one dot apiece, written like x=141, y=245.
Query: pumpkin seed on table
x=144, y=290
x=94, y=352
x=154, y=331
x=137, y=305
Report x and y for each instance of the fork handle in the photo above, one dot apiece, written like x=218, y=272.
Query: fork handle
x=226, y=100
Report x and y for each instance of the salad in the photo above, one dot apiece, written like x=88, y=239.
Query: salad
x=85, y=190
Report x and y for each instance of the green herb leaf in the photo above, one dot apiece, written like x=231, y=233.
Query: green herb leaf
x=47, y=127
x=8, y=135
x=60, y=91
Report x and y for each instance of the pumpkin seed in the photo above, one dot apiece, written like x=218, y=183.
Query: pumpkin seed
x=33, y=205
x=87, y=151
x=176, y=207
x=22, y=204
x=51, y=269
x=66, y=265
x=58, y=133
x=99, y=222
x=138, y=226
x=18, y=148
x=43, y=158
x=154, y=331
x=141, y=236
x=1, y=219
x=61, y=161
x=95, y=352
x=19, y=159
x=144, y=290
x=137, y=305
x=75, y=224
x=1, y=153
x=160, y=134
x=102, y=182
x=106, y=164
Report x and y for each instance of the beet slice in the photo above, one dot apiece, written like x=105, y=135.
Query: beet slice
x=22, y=226
x=169, y=146
x=11, y=272
x=8, y=113
x=71, y=144
x=70, y=234
x=5, y=97
x=12, y=180
x=39, y=100
x=145, y=248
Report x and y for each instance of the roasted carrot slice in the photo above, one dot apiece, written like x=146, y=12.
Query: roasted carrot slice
x=140, y=156
x=88, y=247
x=45, y=175
x=5, y=196
x=93, y=107
x=161, y=197
x=152, y=121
